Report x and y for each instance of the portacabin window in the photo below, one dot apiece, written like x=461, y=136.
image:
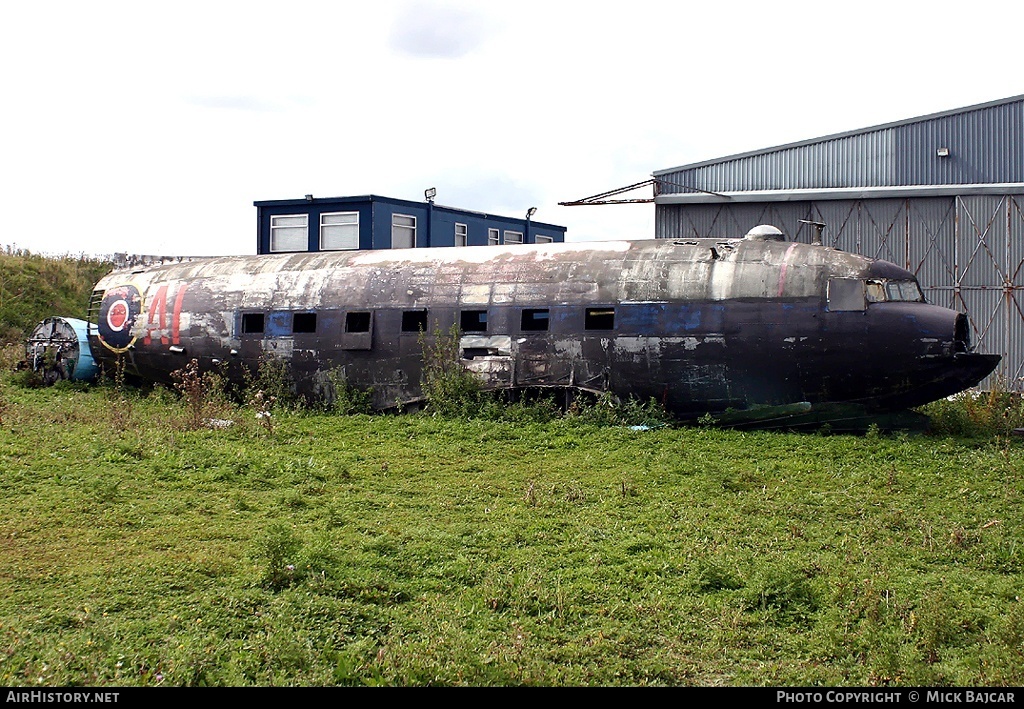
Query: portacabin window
x=461, y=234
x=339, y=231
x=542, y=239
x=289, y=232
x=513, y=237
x=493, y=237
x=403, y=231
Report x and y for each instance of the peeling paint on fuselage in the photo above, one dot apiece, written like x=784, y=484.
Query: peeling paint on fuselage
x=701, y=325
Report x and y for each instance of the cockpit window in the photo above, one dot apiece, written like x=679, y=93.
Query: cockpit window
x=881, y=291
x=846, y=294
x=875, y=292
x=904, y=290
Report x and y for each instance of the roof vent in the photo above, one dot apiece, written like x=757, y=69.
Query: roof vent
x=765, y=232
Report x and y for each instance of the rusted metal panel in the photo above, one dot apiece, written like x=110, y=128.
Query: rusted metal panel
x=931, y=233
x=989, y=316
x=981, y=241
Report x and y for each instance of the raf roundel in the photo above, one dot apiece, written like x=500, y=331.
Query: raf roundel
x=117, y=315
x=119, y=310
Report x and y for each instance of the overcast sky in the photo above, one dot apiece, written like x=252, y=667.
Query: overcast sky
x=152, y=128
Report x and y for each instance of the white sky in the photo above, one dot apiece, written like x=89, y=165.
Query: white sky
x=152, y=128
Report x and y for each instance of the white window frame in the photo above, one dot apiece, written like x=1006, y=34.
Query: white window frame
x=543, y=239
x=461, y=234
x=401, y=228
x=326, y=227
x=513, y=237
x=493, y=237
x=276, y=231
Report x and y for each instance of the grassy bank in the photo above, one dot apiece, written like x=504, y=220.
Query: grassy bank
x=34, y=287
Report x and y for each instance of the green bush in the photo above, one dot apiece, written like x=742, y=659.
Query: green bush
x=276, y=553
x=976, y=413
x=448, y=387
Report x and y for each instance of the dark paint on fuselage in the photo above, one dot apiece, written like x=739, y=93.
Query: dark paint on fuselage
x=700, y=325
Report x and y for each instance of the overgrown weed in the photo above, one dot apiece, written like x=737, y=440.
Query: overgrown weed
x=276, y=554
x=453, y=391
x=977, y=414
x=336, y=394
x=448, y=387
x=121, y=397
x=204, y=395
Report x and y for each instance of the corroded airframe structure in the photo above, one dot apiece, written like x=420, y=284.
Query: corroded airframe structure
x=701, y=325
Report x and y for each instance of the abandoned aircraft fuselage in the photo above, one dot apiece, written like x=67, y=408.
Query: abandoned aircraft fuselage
x=700, y=325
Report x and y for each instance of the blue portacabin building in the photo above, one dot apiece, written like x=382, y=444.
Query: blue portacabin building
x=374, y=222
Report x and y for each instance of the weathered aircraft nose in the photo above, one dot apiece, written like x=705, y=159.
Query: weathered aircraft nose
x=973, y=367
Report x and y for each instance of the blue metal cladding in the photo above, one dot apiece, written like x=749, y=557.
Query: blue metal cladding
x=434, y=223
x=983, y=144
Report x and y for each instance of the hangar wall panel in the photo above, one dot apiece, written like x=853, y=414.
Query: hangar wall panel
x=982, y=144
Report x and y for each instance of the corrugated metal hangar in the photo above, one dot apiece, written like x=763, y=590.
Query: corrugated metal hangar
x=941, y=195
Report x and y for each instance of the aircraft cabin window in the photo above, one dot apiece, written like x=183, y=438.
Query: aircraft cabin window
x=304, y=322
x=252, y=323
x=357, y=322
x=414, y=321
x=473, y=320
x=599, y=319
x=534, y=320
x=846, y=294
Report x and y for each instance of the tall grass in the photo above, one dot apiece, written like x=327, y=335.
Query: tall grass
x=472, y=550
x=977, y=413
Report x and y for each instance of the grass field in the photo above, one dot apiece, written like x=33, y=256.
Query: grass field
x=139, y=547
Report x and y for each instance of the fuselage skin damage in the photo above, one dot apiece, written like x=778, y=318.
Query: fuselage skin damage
x=699, y=325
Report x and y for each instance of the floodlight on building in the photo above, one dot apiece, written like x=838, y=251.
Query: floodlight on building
x=430, y=193
x=942, y=152
x=309, y=198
